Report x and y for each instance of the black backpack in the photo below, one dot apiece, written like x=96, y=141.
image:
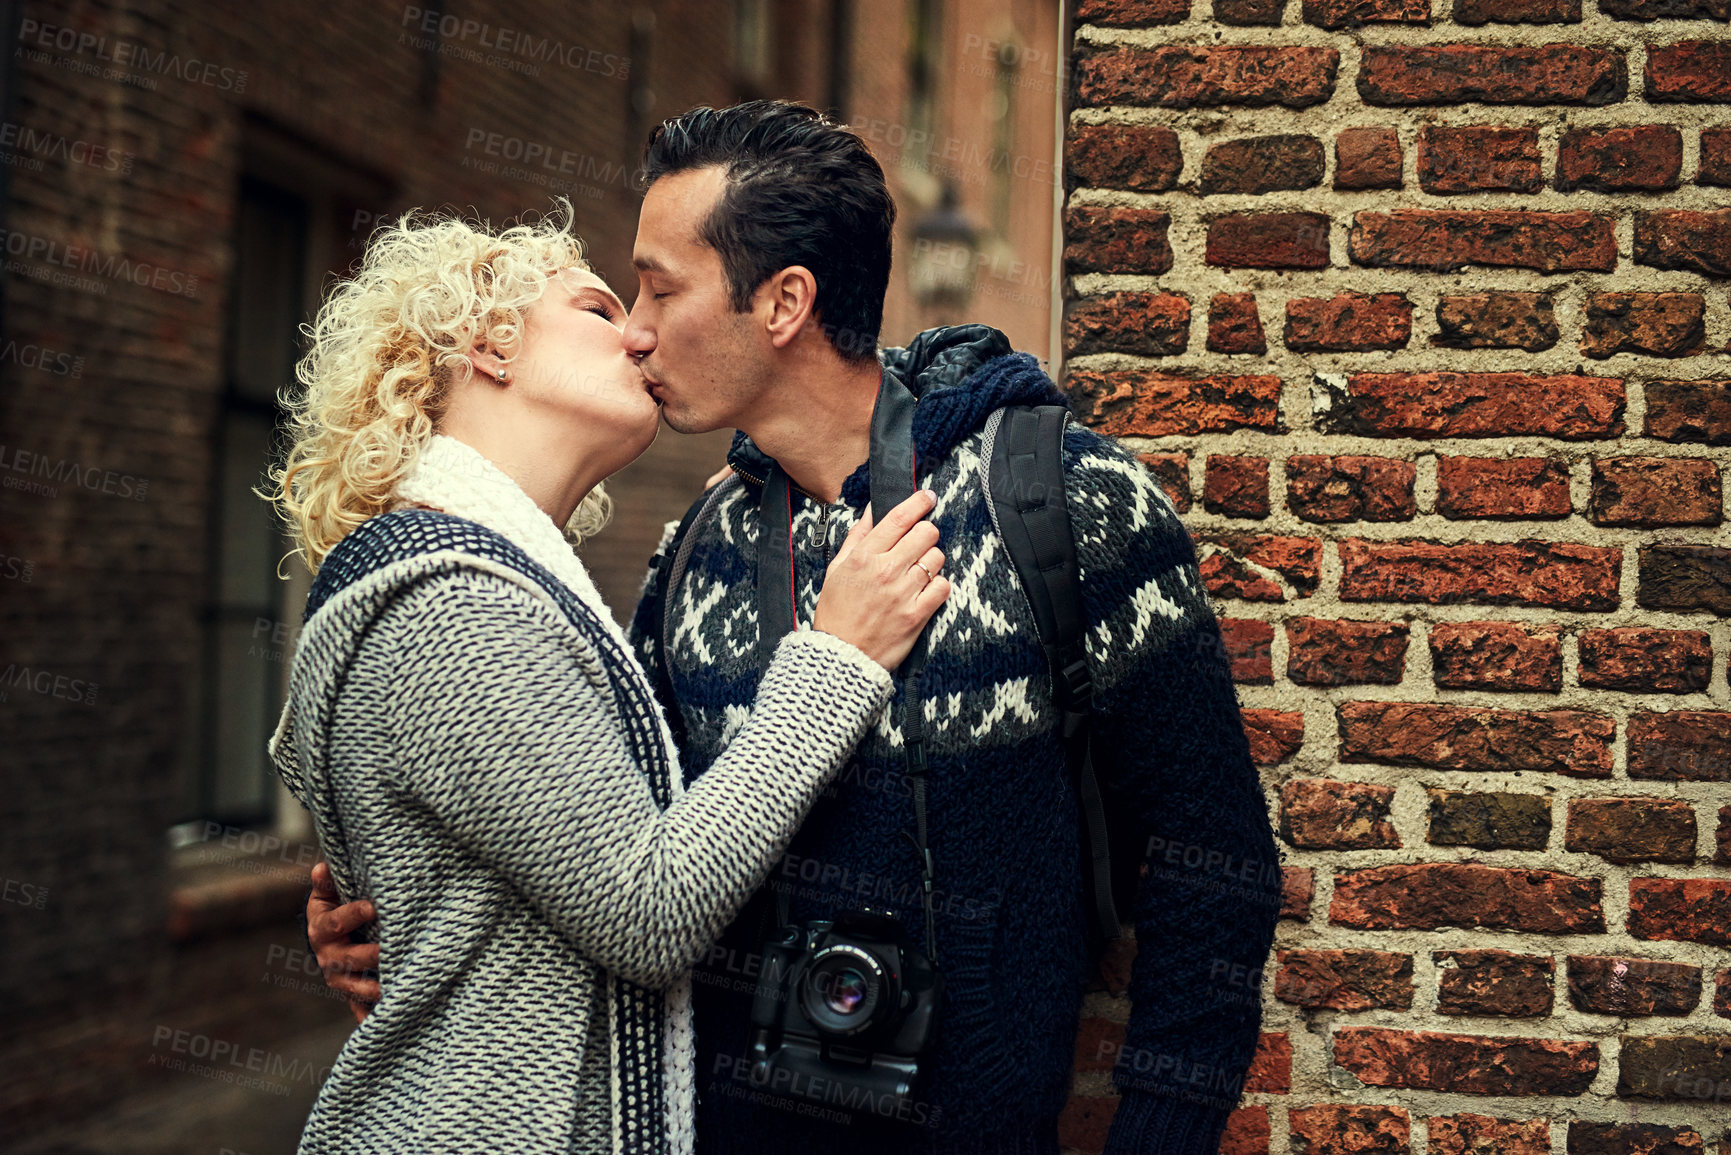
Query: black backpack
x=1023, y=467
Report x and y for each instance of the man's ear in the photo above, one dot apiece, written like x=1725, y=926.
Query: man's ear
x=488, y=364
x=791, y=298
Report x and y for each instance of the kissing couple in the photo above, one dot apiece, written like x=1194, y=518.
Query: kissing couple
x=798, y=862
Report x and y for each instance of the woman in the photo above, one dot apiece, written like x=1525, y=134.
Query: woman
x=473, y=735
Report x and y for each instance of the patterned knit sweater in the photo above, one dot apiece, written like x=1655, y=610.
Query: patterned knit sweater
x=455, y=728
x=1004, y=830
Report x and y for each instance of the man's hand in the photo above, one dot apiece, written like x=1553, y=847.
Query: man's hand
x=348, y=966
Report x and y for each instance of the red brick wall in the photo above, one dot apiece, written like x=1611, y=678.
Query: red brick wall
x=1421, y=315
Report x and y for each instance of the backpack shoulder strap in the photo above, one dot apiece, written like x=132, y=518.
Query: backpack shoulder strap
x=1024, y=462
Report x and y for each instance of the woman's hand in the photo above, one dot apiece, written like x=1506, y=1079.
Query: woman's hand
x=884, y=584
x=348, y=966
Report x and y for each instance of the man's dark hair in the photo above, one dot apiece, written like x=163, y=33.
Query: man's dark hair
x=801, y=190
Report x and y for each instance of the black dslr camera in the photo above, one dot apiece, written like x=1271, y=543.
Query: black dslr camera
x=844, y=1011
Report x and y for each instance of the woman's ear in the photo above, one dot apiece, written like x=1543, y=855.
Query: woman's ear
x=489, y=365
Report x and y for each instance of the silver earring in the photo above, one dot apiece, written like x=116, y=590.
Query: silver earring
x=501, y=374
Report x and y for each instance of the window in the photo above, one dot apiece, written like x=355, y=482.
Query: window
x=246, y=635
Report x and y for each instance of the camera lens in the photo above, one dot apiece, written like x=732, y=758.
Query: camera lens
x=847, y=990
x=843, y=990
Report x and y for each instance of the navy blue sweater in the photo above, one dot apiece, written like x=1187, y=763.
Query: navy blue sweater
x=1004, y=831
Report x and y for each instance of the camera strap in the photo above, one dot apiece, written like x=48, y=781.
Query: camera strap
x=892, y=467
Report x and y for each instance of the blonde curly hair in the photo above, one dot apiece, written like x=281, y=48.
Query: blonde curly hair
x=385, y=349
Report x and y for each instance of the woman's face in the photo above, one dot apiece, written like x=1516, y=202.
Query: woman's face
x=572, y=360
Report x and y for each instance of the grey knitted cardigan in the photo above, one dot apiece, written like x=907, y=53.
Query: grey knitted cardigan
x=466, y=764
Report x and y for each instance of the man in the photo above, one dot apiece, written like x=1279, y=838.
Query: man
x=763, y=254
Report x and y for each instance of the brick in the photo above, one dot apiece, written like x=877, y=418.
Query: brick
x=1685, y=578
x=1350, y=488
x=1296, y=889
x=1249, y=13
x=1466, y=1064
x=1489, y=821
x=1494, y=982
x=1441, y=241
x=1233, y=324
x=1405, y=75
x=1344, y=980
x=1496, y=656
x=1722, y=845
x=1274, y=735
x=1558, y=575
x=1425, y=896
x=1117, y=959
x=1513, y=487
x=1680, y=1067
x=1235, y=486
x=1654, y=491
x=1131, y=13
x=1114, y=239
x=1337, y=14
x=1469, y=1134
x=1681, y=909
x=1348, y=322
x=1260, y=568
x=1645, y=660
x=1141, y=158
x=1271, y=1064
x=1268, y=241
x=1722, y=994
x=1426, y=405
x=1631, y=1139
x=1086, y=1120
x=1262, y=164
x=1642, y=158
x=1517, y=11
x=1478, y=159
x=1659, y=324
x=1328, y=1129
x=1715, y=157
x=1172, y=473
x=1367, y=158
x=1340, y=653
x=1680, y=746
x=1632, y=986
x=1689, y=411
x=1182, y=76
x=1626, y=829
x=1576, y=743
x=1148, y=324
x=1145, y=403
x=1246, y=1132
x=1692, y=71
x=1496, y=321
x=1098, y=1044
x=1681, y=239
x=1323, y=814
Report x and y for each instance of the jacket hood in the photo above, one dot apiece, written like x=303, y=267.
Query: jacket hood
x=958, y=375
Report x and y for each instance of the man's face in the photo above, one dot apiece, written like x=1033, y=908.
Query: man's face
x=705, y=364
